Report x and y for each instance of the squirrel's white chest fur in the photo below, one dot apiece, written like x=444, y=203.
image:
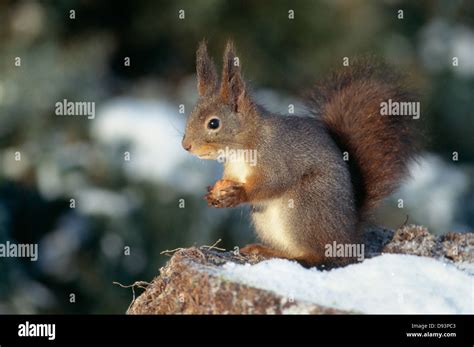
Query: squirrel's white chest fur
x=269, y=217
x=237, y=170
x=271, y=224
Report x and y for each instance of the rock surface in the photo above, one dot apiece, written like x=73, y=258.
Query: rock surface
x=190, y=283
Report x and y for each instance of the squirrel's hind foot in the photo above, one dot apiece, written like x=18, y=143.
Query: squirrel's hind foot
x=255, y=249
x=261, y=251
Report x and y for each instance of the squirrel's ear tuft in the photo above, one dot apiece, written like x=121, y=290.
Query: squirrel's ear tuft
x=206, y=71
x=232, y=86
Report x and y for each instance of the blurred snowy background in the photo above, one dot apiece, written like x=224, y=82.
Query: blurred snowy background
x=135, y=203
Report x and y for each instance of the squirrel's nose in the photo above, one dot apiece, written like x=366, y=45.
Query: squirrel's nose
x=186, y=146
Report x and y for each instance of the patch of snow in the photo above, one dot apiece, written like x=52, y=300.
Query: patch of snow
x=433, y=192
x=390, y=283
x=466, y=267
x=97, y=201
x=440, y=41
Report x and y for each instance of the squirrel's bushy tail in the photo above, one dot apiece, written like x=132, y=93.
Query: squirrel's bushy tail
x=379, y=146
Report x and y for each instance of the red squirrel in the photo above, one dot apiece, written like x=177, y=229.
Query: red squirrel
x=316, y=177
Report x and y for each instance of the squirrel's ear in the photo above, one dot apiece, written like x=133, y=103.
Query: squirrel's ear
x=232, y=86
x=206, y=71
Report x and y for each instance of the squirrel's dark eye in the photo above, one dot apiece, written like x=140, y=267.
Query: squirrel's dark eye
x=214, y=123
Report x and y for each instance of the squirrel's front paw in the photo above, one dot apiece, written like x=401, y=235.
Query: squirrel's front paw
x=225, y=193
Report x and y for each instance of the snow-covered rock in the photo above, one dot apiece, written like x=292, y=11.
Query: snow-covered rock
x=407, y=271
x=390, y=283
